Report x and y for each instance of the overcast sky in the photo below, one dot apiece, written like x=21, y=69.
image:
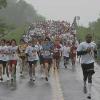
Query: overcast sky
x=88, y=10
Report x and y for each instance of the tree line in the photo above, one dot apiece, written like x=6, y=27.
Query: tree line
x=15, y=13
x=93, y=28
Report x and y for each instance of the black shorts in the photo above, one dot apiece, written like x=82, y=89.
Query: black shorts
x=88, y=68
x=66, y=58
x=41, y=59
x=32, y=62
x=1, y=62
x=4, y=63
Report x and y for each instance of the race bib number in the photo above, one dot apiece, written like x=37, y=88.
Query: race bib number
x=46, y=53
x=34, y=53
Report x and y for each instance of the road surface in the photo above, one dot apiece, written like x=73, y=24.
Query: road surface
x=62, y=85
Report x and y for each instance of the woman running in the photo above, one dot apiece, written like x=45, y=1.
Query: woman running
x=13, y=59
x=56, y=53
x=73, y=51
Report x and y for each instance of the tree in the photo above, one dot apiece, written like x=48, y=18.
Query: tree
x=19, y=12
x=3, y=3
x=94, y=29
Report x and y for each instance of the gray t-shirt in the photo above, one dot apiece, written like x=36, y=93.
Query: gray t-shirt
x=32, y=53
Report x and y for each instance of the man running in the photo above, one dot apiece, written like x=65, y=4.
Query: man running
x=31, y=53
x=87, y=50
x=47, y=56
x=66, y=53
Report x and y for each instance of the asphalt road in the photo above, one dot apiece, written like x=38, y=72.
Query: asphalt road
x=62, y=85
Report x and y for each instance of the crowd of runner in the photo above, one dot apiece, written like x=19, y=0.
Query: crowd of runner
x=45, y=44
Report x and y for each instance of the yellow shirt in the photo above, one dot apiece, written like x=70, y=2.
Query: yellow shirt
x=22, y=49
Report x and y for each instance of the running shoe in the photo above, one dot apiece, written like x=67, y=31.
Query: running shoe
x=1, y=79
x=8, y=78
x=34, y=78
x=46, y=78
x=89, y=97
x=65, y=66
x=85, y=89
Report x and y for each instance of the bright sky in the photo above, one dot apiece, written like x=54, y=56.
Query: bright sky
x=88, y=10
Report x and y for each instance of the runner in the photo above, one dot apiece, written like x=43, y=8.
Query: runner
x=22, y=56
x=56, y=53
x=87, y=50
x=41, y=58
x=73, y=51
x=1, y=62
x=66, y=53
x=8, y=58
x=31, y=53
x=47, y=56
x=35, y=44
x=13, y=59
x=4, y=50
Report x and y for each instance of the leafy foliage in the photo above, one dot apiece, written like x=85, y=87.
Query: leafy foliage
x=94, y=29
x=81, y=32
x=15, y=33
x=3, y=3
x=19, y=13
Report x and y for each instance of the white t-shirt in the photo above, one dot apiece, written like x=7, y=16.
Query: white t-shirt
x=1, y=53
x=89, y=57
x=66, y=51
x=32, y=53
x=13, y=52
x=8, y=52
x=37, y=49
x=5, y=55
x=41, y=49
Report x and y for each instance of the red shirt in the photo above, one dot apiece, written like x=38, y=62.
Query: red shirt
x=56, y=52
x=73, y=51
